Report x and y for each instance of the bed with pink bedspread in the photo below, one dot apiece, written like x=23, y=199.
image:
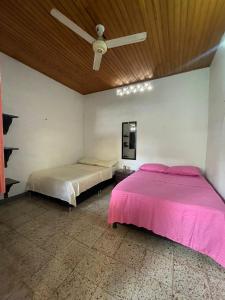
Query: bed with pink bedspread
x=185, y=209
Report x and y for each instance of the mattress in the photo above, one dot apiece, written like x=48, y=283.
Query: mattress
x=67, y=182
x=185, y=209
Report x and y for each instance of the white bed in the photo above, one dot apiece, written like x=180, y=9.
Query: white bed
x=69, y=181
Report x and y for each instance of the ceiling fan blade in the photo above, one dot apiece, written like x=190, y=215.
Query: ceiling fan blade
x=71, y=25
x=97, y=61
x=126, y=40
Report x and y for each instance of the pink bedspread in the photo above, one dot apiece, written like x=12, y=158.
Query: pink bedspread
x=184, y=209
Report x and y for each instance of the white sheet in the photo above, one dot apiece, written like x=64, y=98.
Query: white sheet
x=67, y=182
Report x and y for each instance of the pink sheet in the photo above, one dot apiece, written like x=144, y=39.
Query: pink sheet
x=184, y=209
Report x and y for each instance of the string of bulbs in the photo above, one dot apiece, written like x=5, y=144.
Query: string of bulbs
x=134, y=88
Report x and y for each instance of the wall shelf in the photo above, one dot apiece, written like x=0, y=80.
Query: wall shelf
x=7, y=153
x=9, y=182
x=7, y=121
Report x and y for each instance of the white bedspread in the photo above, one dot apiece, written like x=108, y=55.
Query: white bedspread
x=67, y=182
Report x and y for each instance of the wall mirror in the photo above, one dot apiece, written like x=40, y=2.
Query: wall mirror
x=129, y=135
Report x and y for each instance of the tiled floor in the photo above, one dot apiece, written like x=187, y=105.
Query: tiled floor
x=48, y=253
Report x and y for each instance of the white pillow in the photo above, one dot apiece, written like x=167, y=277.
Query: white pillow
x=87, y=161
x=97, y=162
x=106, y=163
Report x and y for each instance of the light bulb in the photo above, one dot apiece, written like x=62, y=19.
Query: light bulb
x=118, y=92
x=222, y=44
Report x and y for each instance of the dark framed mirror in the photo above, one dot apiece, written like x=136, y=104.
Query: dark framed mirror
x=129, y=137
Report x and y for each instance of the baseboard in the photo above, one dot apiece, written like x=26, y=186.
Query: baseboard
x=6, y=200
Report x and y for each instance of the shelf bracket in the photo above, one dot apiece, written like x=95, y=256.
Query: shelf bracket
x=7, y=121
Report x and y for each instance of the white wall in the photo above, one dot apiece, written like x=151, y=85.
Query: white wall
x=49, y=131
x=215, y=163
x=171, y=121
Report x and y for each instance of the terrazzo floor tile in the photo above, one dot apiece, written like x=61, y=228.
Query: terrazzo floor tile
x=52, y=221
x=56, y=243
x=34, y=259
x=139, y=236
x=76, y=225
x=217, y=287
x=186, y=256
x=131, y=253
x=28, y=228
x=75, y=287
x=71, y=255
x=24, y=205
x=121, y=230
x=19, y=220
x=15, y=289
x=7, y=262
x=8, y=238
x=19, y=246
x=48, y=253
x=22, y=292
x=190, y=283
x=41, y=235
x=4, y=208
x=4, y=229
x=94, y=267
x=95, y=209
x=27, y=207
x=89, y=235
x=102, y=295
x=120, y=282
x=96, y=204
x=36, y=212
x=179, y=296
x=48, y=278
x=9, y=212
x=151, y=289
x=158, y=267
x=213, y=269
x=161, y=246
x=100, y=220
x=94, y=219
x=108, y=243
x=9, y=277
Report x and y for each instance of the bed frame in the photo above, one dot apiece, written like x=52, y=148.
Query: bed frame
x=82, y=197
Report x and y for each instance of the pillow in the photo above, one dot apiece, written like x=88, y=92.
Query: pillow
x=184, y=170
x=106, y=163
x=97, y=162
x=160, y=168
x=87, y=161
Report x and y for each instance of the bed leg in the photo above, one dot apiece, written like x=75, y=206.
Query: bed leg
x=70, y=209
x=114, y=225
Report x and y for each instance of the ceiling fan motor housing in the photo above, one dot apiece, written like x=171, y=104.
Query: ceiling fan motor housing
x=100, y=30
x=99, y=46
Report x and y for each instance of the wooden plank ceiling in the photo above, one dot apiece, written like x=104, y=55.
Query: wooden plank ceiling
x=180, y=35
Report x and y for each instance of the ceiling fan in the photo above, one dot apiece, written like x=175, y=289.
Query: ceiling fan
x=100, y=45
